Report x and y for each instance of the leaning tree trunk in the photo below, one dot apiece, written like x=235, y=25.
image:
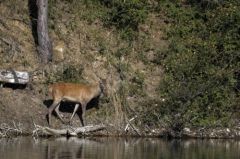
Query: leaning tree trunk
x=44, y=43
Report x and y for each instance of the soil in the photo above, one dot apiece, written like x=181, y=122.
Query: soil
x=21, y=107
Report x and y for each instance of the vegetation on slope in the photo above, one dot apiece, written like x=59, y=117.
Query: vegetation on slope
x=201, y=64
x=201, y=81
x=190, y=80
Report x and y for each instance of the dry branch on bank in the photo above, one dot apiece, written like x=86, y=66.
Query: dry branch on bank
x=7, y=130
x=131, y=125
x=69, y=131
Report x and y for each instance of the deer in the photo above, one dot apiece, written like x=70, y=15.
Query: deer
x=81, y=94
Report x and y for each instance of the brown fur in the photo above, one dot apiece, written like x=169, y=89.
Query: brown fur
x=78, y=93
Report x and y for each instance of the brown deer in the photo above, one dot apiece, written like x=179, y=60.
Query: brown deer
x=77, y=93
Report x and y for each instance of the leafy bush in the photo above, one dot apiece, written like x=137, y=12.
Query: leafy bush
x=201, y=82
x=136, y=85
x=66, y=73
x=125, y=15
x=128, y=14
x=71, y=74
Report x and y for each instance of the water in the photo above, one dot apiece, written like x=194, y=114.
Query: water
x=117, y=148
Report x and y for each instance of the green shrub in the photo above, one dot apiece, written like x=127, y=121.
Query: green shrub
x=136, y=85
x=71, y=74
x=125, y=16
x=200, y=82
x=66, y=73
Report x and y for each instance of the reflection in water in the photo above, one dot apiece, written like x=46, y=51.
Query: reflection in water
x=117, y=148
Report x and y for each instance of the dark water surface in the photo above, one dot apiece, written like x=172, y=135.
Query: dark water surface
x=117, y=148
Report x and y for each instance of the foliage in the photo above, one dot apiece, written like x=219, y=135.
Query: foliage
x=201, y=82
x=125, y=15
x=136, y=85
x=71, y=74
x=66, y=73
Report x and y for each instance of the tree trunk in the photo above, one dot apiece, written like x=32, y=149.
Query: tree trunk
x=44, y=43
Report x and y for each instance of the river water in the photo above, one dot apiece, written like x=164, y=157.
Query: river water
x=117, y=148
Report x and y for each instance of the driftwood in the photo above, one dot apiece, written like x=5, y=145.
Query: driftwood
x=129, y=124
x=69, y=131
x=16, y=77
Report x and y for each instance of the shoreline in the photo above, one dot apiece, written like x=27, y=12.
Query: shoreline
x=186, y=133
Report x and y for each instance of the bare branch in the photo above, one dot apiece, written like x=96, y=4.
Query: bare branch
x=7, y=130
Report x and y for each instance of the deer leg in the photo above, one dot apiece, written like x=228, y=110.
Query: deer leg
x=74, y=112
x=50, y=110
x=83, y=113
x=58, y=114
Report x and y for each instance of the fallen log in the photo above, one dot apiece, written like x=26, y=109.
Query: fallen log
x=69, y=131
x=15, y=77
